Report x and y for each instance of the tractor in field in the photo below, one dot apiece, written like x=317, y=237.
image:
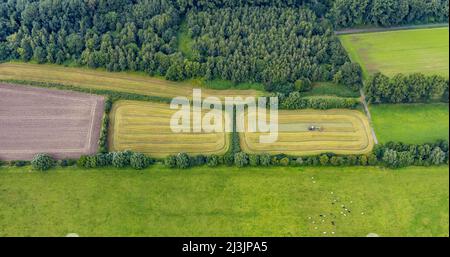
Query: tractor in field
x=315, y=128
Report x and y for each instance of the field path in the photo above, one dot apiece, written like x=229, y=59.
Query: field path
x=368, y=30
x=369, y=116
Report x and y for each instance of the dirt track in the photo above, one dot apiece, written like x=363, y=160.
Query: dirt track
x=35, y=120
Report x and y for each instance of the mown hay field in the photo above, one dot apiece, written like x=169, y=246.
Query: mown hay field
x=115, y=81
x=145, y=127
x=406, y=51
x=341, y=132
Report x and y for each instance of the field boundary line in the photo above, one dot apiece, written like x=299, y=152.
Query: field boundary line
x=381, y=29
x=369, y=116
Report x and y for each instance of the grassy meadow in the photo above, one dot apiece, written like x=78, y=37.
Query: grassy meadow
x=145, y=127
x=406, y=51
x=225, y=201
x=410, y=123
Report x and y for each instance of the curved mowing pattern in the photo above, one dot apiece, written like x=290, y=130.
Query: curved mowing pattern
x=342, y=132
x=145, y=127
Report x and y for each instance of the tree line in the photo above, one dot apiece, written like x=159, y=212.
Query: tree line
x=401, y=88
x=348, y=13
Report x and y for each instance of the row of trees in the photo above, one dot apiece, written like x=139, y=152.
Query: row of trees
x=348, y=13
x=124, y=159
x=402, y=88
x=396, y=155
x=392, y=155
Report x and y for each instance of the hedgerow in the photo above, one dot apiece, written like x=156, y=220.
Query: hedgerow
x=103, y=139
x=295, y=100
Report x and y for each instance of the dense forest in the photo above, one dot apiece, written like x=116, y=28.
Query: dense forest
x=285, y=44
x=276, y=46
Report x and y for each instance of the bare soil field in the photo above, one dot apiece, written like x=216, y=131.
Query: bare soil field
x=35, y=120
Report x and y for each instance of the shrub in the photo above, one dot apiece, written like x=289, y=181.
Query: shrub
x=67, y=162
x=183, y=161
x=42, y=162
x=212, y=161
x=299, y=161
x=303, y=85
x=241, y=159
x=121, y=159
x=352, y=160
x=312, y=160
x=254, y=160
x=405, y=159
x=363, y=160
x=334, y=160
x=284, y=161
x=199, y=160
x=264, y=160
x=170, y=161
x=108, y=105
x=139, y=161
x=390, y=158
x=104, y=159
x=372, y=159
x=324, y=160
x=274, y=160
x=228, y=159
x=437, y=156
x=82, y=162
x=92, y=162
x=19, y=163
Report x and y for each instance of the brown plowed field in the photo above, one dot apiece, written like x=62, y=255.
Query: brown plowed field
x=60, y=123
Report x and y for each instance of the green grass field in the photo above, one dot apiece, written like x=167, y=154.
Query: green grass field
x=225, y=202
x=407, y=51
x=410, y=123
